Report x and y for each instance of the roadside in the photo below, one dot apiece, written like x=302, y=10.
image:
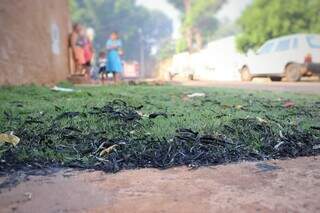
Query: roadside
x=132, y=127
x=125, y=127
x=261, y=85
x=273, y=186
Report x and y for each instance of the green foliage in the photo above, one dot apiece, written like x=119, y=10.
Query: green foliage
x=201, y=11
x=125, y=17
x=224, y=29
x=199, y=17
x=208, y=25
x=181, y=45
x=266, y=19
x=166, y=51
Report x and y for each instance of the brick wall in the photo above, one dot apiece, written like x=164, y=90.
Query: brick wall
x=33, y=41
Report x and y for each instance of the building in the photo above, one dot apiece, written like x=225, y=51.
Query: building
x=34, y=41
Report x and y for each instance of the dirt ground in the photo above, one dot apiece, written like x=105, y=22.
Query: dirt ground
x=274, y=186
x=261, y=84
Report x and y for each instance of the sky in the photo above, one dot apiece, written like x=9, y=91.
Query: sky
x=231, y=10
x=166, y=8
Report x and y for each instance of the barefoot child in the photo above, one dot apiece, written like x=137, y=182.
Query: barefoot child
x=102, y=63
x=114, y=48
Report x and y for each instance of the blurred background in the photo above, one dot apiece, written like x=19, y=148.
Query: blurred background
x=218, y=40
x=209, y=39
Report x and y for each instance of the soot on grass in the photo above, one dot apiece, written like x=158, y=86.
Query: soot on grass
x=71, y=139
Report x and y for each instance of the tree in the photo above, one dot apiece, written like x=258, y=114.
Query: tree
x=137, y=26
x=166, y=51
x=266, y=19
x=226, y=28
x=182, y=5
x=198, y=20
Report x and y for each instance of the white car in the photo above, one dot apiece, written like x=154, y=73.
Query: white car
x=289, y=57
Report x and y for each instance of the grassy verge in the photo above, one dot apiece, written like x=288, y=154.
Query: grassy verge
x=111, y=128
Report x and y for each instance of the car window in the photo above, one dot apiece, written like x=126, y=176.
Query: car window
x=283, y=45
x=295, y=43
x=265, y=49
x=313, y=41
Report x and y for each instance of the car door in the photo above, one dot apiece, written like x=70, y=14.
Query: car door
x=313, y=47
x=258, y=64
x=282, y=54
x=272, y=62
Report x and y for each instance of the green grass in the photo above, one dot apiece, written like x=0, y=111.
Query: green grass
x=234, y=114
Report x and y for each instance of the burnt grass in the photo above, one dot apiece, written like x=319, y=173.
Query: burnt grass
x=124, y=127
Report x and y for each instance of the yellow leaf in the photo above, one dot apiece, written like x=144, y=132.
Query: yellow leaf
x=238, y=107
x=261, y=120
x=107, y=150
x=12, y=139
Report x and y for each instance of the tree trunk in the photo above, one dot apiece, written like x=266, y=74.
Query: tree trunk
x=189, y=38
x=199, y=39
x=187, y=6
x=188, y=30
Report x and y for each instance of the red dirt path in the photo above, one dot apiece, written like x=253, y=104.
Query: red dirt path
x=275, y=186
x=299, y=87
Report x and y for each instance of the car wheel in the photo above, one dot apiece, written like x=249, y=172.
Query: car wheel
x=245, y=74
x=275, y=78
x=293, y=72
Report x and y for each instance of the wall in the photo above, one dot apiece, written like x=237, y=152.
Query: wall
x=33, y=41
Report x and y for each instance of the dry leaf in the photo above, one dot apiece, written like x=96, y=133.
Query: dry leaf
x=238, y=107
x=107, y=150
x=288, y=104
x=12, y=139
x=261, y=120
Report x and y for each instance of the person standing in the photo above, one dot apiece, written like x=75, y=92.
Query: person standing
x=77, y=43
x=114, y=48
x=102, y=63
x=88, y=50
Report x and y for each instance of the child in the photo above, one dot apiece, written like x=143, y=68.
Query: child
x=114, y=48
x=102, y=63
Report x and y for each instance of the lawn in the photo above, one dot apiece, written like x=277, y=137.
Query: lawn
x=124, y=127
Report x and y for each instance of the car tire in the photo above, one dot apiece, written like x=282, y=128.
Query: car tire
x=245, y=74
x=275, y=78
x=293, y=72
